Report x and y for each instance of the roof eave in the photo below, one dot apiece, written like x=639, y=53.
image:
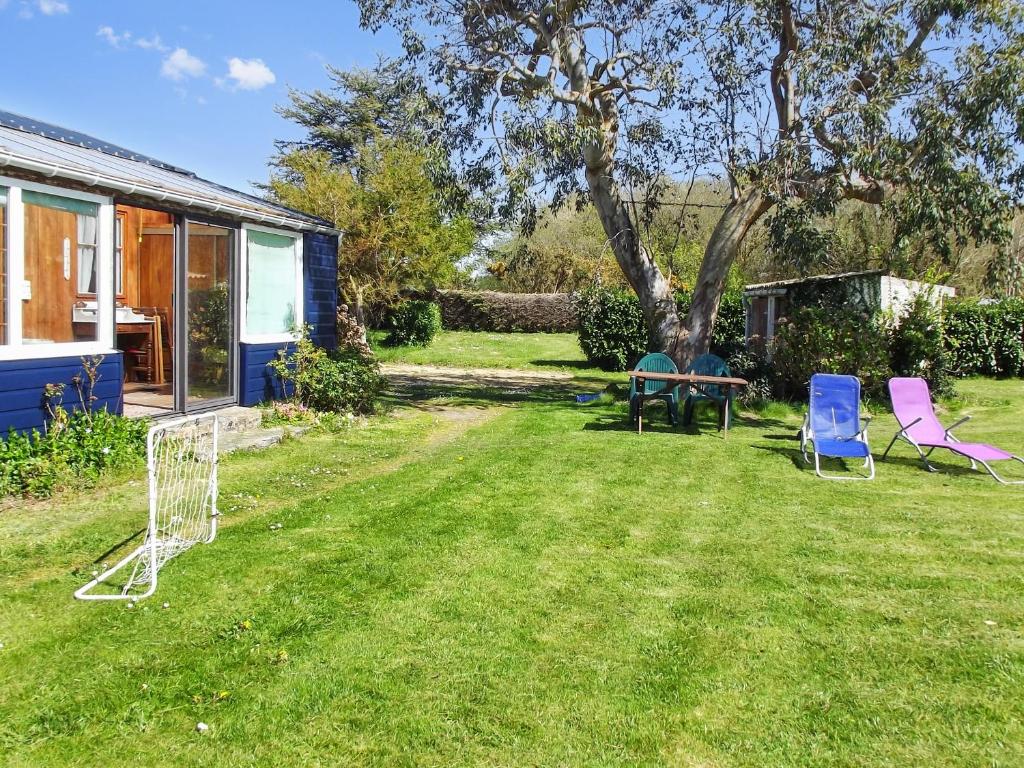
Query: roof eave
x=191, y=200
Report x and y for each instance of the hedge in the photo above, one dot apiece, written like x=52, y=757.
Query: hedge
x=506, y=312
x=844, y=339
x=985, y=339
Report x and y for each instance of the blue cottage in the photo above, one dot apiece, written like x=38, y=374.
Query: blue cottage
x=185, y=288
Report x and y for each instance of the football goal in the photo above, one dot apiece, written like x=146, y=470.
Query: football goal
x=182, y=461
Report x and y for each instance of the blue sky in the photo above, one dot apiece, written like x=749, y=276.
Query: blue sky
x=192, y=83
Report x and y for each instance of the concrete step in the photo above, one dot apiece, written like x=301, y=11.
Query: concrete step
x=241, y=429
x=235, y=418
x=256, y=439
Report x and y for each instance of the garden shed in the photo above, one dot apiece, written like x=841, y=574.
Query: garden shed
x=871, y=291
x=184, y=287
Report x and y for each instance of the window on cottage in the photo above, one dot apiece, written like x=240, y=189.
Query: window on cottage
x=61, y=247
x=272, y=284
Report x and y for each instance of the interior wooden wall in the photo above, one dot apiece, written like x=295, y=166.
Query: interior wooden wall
x=148, y=257
x=131, y=229
x=208, y=256
x=47, y=315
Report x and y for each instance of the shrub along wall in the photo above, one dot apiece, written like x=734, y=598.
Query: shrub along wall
x=985, y=339
x=506, y=312
x=843, y=339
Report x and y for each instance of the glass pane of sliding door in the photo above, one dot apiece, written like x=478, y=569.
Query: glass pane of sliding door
x=210, y=316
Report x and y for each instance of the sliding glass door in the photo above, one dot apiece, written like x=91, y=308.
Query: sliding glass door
x=207, y=284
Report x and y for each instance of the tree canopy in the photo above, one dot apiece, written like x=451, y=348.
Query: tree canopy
x=372, y=161
x=395, y=235
x=914, y=106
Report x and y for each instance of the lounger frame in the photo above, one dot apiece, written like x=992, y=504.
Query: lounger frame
x=904, y=435
x=807, y=436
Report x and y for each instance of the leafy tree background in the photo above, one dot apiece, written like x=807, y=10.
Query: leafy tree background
x=374, y=163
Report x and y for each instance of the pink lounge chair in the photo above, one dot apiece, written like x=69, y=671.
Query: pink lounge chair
x=912, y=406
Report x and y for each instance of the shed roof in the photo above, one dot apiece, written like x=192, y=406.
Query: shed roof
x=813, y=279
x=56, y=152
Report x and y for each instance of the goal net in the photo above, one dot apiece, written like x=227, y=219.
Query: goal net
x=182, y=461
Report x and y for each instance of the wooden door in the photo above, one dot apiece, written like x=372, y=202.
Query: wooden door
x=47, y=314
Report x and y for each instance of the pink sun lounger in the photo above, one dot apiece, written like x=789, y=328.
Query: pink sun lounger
x=912, y=406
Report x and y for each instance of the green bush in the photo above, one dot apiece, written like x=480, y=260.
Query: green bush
x=729, y=336
x=818, y=340
x=985, y=339
x=759, y=375
x=916, y=346
x=413, y=322
x=613, y=334
x=76, y=447
x=342, y=381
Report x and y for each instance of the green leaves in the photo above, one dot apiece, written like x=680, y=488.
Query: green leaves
x=986, y=339
x=396, y=236
x=413, y=322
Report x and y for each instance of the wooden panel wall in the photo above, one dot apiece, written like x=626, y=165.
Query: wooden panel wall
x=156, y=271
x=131, y=228
x=47, y=315
x=148, y=257
x=320, y=288
x=209, y=257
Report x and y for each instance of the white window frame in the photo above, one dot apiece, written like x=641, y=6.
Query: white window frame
x=104, y=343
x=270, y=338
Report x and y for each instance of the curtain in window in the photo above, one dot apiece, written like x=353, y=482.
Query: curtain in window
x=272, y=283
x=86, y=254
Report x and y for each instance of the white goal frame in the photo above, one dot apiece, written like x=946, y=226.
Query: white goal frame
x=169, y=532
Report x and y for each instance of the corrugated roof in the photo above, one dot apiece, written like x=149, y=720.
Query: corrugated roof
x=56, y=152
x=813, y=279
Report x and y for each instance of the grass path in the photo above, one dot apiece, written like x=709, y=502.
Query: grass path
x=477, y=349
x=540, y=585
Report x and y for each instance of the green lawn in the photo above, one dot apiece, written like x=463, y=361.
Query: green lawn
x=472, y=349
x=528, y=582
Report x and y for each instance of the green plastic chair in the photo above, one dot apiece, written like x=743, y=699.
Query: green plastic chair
x=708, y=365
x=659, y=363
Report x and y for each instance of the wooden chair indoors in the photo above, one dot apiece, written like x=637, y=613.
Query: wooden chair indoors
x=163, y=340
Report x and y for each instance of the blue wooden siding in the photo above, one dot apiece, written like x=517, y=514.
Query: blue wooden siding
x=258, y=383
x=320, y=285
x=22, y=383
x=320, y=308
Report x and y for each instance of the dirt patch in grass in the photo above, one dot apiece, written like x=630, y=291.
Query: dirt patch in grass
x=403, y=376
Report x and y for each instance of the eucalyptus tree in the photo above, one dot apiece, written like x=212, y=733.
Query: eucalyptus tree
x=912, y=105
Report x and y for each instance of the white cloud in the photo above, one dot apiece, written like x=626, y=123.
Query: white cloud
x=126, y=38
x=108, y=34
x=181, y=64
x=53, y=7
x=153, y=43
x=250, y=74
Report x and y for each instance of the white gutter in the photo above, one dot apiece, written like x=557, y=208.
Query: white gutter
x=93, y=179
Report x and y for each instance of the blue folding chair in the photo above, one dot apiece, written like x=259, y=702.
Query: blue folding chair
x=833, y=426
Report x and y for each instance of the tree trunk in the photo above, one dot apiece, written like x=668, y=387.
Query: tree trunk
x=358, y=305
x=639, y=267
x=738, y=217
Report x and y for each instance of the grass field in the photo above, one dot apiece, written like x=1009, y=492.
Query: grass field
x=469, y=349
x=528, y=582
